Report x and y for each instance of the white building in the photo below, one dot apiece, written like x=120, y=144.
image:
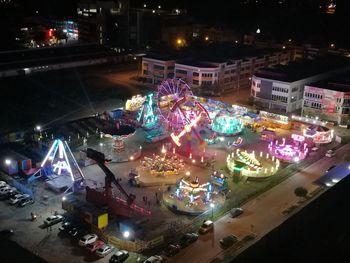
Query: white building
x=227, y=73
x=282, y=88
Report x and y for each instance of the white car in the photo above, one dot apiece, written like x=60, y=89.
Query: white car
x=330, y=153
x=87, y=239
x=154, y=259
x=207, y=226
x=3, y=183
x=16, y=198
x=54, y=219
x=7, y=189
x=104, y=251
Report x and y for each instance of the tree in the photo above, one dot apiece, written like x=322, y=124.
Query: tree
x=300, y=192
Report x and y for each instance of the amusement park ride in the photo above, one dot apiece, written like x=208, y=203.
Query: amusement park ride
x=181, y=112
x=104, y=197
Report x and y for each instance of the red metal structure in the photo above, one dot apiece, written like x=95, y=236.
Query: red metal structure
x=104, y=197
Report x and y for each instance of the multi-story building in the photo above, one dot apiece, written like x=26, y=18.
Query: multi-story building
x=94, y=17
x=223, y=68
x=281, y=88
x=329, y=99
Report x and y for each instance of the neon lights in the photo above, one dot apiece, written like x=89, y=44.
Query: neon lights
x=64, y=161
x=226, y=124
x=248, y=165
x=289, y=152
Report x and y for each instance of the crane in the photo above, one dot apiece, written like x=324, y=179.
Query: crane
x=110, y=178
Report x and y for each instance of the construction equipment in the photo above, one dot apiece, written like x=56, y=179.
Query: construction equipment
x=104, y=197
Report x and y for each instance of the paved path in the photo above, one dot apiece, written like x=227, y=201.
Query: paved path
x=261, y=215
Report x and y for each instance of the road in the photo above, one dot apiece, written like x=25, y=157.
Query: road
x=261, y=215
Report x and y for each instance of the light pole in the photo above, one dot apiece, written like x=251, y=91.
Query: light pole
x=212, y=210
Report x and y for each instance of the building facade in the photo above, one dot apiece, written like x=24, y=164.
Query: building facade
x=223, y=74
x=282, y=88
x=328, y=101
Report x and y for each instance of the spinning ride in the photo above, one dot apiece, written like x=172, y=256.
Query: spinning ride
x=181, y=112
x=226, y=124
x=289, y=152
x=251, y=165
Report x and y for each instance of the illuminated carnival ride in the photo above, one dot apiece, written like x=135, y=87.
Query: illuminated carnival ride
x=147, y=114
x=252, y=165
x=227, y=124
x=185, y=117
x=61, y=168
x=163, y=165
x=319, y=134
x=294, y=152
x=135, y=103
x=191, y=197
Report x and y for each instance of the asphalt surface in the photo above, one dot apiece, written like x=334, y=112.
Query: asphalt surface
x=261, y=215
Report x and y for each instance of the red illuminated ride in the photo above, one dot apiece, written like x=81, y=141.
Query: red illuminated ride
x=180, y=109
x=104, y=197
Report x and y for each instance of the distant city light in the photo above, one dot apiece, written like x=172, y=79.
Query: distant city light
x=179, y=41
x=38, y=127
x=258, y=31
x=332, y=45
x=284, y=47
x=159, y=7
x=206, y=38
x=153, y=11
x=144, y=5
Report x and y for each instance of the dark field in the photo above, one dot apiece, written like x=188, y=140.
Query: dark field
x=53, y=96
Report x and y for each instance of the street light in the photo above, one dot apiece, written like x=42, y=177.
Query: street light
x=258, y=31
x=7, y=162
x=38, y=128
x=126, y=234
x=212, y=210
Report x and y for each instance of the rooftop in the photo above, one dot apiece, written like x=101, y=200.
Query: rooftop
x=303, y=69
x=195, y=63
x=216, y=53
x=338, y=83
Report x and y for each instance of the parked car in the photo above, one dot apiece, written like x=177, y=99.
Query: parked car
x=330, y=153
x=6, y=189
x=54, y=219
x=66, y=227
x=6, y=233
x=119, y=256
x=207, y=226
x=314, y=149
x=154, y=259
x=25, y=201
x=330, y=168
x=104, y=250
x=172, y=250
x=2, y=183
x=188, y=239
x=9, y=194
x=234, y=212
x=87, y=239
x=77, y=231
x=92, y=247
x=228, y=241
x=17, y=197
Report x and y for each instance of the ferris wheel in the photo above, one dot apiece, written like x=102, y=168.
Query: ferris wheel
x=179, y=108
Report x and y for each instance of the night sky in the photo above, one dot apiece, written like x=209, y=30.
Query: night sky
x=301, y=20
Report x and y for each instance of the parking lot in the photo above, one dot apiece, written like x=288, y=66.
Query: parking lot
x=46, y=241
